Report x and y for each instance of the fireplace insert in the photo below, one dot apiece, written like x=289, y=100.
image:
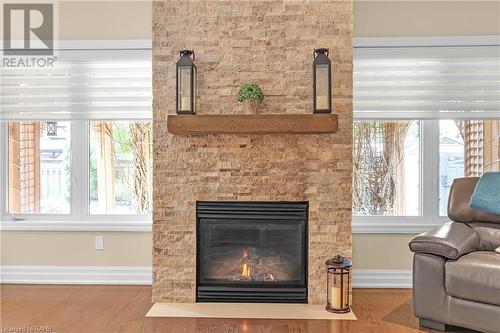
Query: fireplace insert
x=251, y=251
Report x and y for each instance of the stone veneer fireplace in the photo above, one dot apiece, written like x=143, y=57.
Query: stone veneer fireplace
x=269, y=43
x=251, y=251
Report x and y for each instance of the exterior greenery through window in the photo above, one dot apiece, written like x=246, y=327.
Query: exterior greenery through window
x=387, y=161
x=384, y=154
x=41, y=161
x=120, y=167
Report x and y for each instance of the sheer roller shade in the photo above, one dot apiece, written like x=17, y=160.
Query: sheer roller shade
x=82, y=85
x=427, y=82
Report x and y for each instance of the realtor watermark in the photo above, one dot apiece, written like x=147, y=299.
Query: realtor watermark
x=29, y=31
x=28, y=61
x=28, y=329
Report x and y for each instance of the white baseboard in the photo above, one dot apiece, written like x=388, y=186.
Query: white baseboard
x=76, y=275
x=361, y=278
x=371, y=278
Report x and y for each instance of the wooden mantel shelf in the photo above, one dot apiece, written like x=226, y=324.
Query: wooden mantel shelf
x=253, y=124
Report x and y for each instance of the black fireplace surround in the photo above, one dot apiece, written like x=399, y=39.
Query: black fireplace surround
x=251, y=251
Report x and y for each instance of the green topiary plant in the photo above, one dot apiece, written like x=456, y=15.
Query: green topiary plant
x=250, y=91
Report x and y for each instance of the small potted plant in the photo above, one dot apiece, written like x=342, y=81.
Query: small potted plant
x=252, y=95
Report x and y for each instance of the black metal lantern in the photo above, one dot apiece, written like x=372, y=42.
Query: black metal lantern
x=338, y=271
x=186, y=83
x=322, y=82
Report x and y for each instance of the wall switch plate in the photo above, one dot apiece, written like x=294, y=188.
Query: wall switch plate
x=99, y=242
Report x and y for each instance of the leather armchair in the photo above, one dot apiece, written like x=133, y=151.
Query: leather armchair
x=456, y=273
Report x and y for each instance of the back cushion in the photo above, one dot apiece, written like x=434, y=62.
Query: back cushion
x=489, y=238
x=458, y=203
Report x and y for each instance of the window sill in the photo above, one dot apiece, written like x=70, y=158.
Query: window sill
x=393, y=224
x=126, y=226
x=360, y=225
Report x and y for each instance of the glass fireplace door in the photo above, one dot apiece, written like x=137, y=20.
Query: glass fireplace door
x=254, y=251
x=247, y=249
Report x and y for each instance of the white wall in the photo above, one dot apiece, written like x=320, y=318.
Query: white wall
x=63, y=248
x=105, y=20
x=126, y=19
x=426, y=18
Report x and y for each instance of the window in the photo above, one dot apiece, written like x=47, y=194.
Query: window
x=39, y=167
x=426, y=112
x=120, y=167
x=386, y=159
x=467, y=148
x=78, y=138
x=451, y=159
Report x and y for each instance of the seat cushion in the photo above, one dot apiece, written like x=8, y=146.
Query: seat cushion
x=475, y=277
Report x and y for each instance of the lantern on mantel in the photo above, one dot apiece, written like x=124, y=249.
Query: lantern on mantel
x=186, y=83
x=338, y=277
x=322, y=82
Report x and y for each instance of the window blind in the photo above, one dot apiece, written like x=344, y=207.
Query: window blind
x=427, y=82
x=94, y=84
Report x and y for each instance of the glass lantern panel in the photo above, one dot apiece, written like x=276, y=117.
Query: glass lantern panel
x=195, y=92
x=338, y=290
x=184, y=98
x=322, y=92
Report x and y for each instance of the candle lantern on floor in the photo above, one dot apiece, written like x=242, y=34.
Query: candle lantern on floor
x=186, y=83
x=338, y=283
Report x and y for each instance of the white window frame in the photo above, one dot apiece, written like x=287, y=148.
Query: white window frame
x=428, y=196
x=429, y=146
x=79, y=218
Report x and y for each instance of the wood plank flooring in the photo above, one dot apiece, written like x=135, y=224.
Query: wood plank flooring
x=91, y=308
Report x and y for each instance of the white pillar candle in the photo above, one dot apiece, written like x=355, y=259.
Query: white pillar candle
x=186, y=103
x=322, y=102
x=334, y=299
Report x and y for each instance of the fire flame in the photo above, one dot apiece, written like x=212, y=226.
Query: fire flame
x=245, y=272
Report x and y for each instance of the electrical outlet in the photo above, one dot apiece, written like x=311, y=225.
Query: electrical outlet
x=99, y=242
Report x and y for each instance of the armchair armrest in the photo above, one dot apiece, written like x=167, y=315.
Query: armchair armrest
x=451, y=240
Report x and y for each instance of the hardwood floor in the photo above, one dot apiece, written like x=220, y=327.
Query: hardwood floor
x=85, y=308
